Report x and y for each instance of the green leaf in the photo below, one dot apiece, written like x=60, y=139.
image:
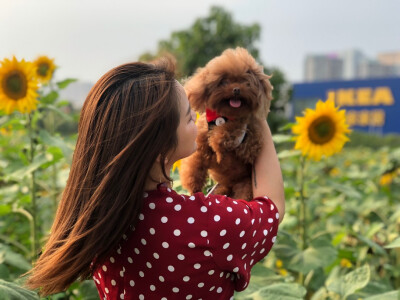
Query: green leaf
x=313, y=258
x=281, y=138
x=9, y=190
x=88, y=290
x=63, y=84
x=286, y=127
x=288, y=153
x=346, y=253
x=54, y=155
x=393, y=295
x=55, y=141
x=12, y=258
x=337, y=239
x=49, y=98
x=15, y=123
x=261, y=277
x=4, y=272
x=394, y=244
x=374, y=228
x=26, y=170
x=63, y=103
x=12, y=291
x=261, y=271
x=345, y=189
x=321, y=239
x=320, y=294
x=374, y=288
x=282, y=291
x=60, y=112
x=377, y=248
x=348, y=284
x=4, y=209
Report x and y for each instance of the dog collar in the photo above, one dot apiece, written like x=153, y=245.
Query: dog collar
x=214, y=119
x=212, y=115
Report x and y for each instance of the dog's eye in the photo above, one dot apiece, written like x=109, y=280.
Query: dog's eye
x=248, y=72
x=223, y=82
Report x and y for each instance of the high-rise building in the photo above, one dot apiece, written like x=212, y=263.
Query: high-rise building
x=323, y=67
x=351, y=61
x=374, y=69
x=391, y=59
x=350, y=64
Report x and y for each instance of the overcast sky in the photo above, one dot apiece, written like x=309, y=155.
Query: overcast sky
x=89, y=37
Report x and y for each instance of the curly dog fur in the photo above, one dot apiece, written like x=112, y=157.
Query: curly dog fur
x=233, y=92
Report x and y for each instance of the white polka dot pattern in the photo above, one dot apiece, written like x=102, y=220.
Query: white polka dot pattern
x=188, y=247
x=243, y=241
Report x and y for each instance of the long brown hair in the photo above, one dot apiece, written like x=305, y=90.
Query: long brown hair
x=129, y=118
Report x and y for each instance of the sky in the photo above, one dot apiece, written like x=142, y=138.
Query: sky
x=89, y=37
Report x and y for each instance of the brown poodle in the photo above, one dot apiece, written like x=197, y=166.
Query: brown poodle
x=232, y=94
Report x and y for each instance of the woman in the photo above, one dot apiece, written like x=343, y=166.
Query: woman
x=119, y=220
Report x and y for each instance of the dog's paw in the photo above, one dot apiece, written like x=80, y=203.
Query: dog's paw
x=218, y=156
x=235, y=140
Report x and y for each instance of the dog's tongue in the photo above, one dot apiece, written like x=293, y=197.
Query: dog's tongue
x=235, y=103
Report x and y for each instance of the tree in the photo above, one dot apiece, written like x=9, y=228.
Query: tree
x=209, y=37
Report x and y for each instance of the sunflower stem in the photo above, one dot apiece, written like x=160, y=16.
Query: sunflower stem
x=34, y=232
x=302, y=214
x=53, y=167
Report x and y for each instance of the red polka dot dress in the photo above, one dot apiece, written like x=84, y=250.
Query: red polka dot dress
x=189, y=247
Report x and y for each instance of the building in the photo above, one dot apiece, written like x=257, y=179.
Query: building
x=323, y=67
x=350, y=64
x=374, y=69
x=372, y=105
x=391, y=59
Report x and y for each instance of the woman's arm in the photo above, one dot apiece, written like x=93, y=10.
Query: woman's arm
x=267, y=174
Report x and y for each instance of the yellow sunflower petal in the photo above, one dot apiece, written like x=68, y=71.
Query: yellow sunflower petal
x=386, y=179
x=176, y=165
x=321, y=132
x=44, y=68
x=18, y=86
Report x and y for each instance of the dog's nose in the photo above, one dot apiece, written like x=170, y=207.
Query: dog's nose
x=236, y=91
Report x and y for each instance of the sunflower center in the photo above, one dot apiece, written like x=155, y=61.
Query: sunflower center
x=321, y=130
x=15, y=85
x=43, y=69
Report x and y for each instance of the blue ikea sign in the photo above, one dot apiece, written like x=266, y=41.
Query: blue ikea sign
x=371, y=105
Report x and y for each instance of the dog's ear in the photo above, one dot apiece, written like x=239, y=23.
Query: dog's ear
x=196, y=90
x=268, y=88
x=267, y=91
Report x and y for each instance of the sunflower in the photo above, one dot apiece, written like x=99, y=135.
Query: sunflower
x=44, y=68
x=18, y=86
x=387, y=178
x=321, y=131
x=176, y=165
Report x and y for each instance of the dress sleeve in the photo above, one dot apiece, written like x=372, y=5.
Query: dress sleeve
x=241, y=233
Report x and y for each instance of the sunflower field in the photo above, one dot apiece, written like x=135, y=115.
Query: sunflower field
x=340, y=238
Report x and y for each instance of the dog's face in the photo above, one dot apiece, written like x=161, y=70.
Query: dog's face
x=232, y=84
